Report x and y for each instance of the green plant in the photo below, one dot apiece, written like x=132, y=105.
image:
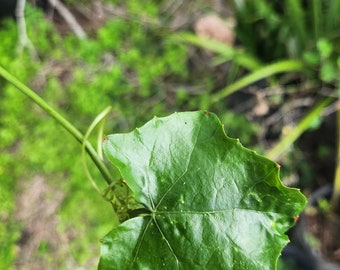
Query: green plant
x=195, y=189
x=61, y=120
x=302, y=126
x=110, y=69
x=305, y=31
x=240, y=58
x=21, y=160
x=335, y=201
x=78, y=78
x=199, y=191
x=308, y=31
x=9, y=167
x=275, y=39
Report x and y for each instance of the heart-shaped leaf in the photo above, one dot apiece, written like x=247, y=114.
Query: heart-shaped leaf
x=212, y=204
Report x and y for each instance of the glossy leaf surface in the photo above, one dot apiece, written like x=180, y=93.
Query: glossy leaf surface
x=212, y=203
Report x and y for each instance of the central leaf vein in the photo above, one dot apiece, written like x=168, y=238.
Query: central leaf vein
x=167, y=241
x=140, y=241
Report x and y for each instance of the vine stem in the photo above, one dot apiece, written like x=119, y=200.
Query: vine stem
x=61, y=120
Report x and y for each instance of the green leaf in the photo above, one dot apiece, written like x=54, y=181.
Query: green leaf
x=328, y=71
x=325, y=48
x=212, y=204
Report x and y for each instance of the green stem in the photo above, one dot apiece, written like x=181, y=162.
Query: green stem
x=96, y=121
x=269, y=70
x=336, y=193
x=304, y=124
x=61, y=120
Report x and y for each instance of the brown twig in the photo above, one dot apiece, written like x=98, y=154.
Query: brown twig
x=69, y=18
x=24, y=41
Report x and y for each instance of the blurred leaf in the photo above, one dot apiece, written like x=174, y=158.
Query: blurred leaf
x=315, y=123
x=325, y=48
x=225, y=52
x=311, y=58
x=328, y=71
x=209, y=202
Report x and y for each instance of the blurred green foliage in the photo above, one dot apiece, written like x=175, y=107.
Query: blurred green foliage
x=131, y=65
x=11, y=105
x=306, y=30
x=134, y=65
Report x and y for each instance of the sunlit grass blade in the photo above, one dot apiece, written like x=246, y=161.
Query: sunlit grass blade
x=301, y=127
x=298, y=24
x=224, y=51
x=262, y=73
x=336, y=192
x=317, y=18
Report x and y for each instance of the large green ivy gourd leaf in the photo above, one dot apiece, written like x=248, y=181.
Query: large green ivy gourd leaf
x=212, y=204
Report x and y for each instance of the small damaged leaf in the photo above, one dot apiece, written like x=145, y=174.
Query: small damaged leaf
x=209, y=202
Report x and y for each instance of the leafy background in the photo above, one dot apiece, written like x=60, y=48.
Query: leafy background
x=135, y=61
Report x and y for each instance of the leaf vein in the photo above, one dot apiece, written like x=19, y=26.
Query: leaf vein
x=139, y=244
x=167, y=241
x=185, y=171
